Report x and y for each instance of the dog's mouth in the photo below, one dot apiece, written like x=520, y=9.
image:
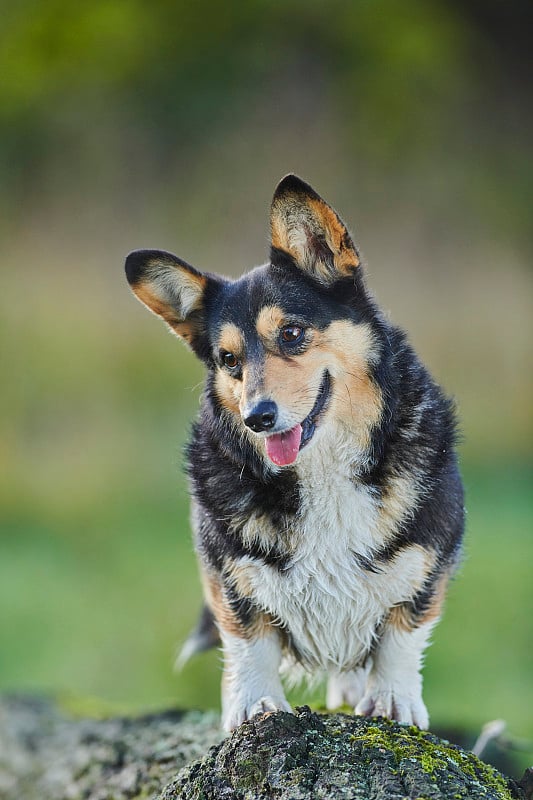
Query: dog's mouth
x=283, y=448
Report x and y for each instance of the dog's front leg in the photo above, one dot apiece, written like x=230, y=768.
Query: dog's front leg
x=394, y=687
x=251, y=683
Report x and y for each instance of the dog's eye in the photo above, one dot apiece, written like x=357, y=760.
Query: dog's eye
x=292, y=334
x=230, y=360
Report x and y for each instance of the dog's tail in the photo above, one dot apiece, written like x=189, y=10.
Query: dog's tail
x=203, y=637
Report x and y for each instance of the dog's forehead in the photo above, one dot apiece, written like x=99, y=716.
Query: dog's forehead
x=262, y=292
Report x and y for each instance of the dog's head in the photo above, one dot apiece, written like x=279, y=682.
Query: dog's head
x=291, y=345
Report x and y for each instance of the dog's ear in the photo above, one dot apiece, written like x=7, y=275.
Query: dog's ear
x=173, y=290
x=311, y=232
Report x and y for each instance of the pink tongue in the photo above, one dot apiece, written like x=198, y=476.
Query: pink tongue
x=282, y=448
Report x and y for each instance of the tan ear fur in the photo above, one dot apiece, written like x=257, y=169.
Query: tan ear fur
x=168, y=287
x=308, y=229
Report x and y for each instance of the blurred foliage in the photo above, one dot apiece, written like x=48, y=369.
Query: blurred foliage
x=167, y=54
x=410, y=81
x=125, y=123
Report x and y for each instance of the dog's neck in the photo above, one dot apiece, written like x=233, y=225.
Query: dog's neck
x=336, y=452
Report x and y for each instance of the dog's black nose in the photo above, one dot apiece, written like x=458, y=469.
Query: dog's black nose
x=263, y=416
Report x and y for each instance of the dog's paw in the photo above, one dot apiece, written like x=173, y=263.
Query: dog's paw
x=240, y=711
x=388, y=702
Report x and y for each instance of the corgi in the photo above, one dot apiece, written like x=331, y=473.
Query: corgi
x=327, y=504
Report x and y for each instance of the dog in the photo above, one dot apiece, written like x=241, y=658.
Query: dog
x=327, y=504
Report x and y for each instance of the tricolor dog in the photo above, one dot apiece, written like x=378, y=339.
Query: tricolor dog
x=326, y=500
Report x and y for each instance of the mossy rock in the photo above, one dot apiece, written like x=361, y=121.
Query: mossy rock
x=49, y=754
x=337, y=756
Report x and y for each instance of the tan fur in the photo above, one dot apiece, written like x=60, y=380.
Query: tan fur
x=297, y=223
x=399, y=499
x=402, y=617
x=228, y=391
x=435, y=608
x=346, y=259
x=268, y=323
x=227, y=621
x=259, y=528
x=344, y=349
x=231, y=339
x=250, y=387
x=292, y=382
x=227, y=388
x=215, y=600
x=237, y=573
x=145, y=291
x=172, y=293
x=358, y=399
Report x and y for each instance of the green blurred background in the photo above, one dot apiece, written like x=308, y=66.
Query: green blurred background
x=129, y=124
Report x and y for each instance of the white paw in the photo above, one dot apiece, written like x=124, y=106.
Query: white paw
x=239, y=711
x=346, y=688
x=391, y=703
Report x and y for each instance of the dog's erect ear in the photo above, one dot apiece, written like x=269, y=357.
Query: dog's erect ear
x=172, y=289
x=310, y=231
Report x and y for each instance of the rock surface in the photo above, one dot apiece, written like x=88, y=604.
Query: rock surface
x=45, y=755
x=337, y=756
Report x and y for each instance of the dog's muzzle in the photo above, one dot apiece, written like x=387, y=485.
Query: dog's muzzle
x=263, y=417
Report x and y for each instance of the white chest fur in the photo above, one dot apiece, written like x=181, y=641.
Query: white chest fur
x=329, y=603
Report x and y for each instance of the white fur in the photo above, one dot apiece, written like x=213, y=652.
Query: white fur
x=394, y=688
x=332, y=606
x=251, y=683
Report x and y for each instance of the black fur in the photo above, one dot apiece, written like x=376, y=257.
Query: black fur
x=229, y=479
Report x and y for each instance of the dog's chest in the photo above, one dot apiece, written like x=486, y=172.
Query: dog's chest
x=330, y=604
